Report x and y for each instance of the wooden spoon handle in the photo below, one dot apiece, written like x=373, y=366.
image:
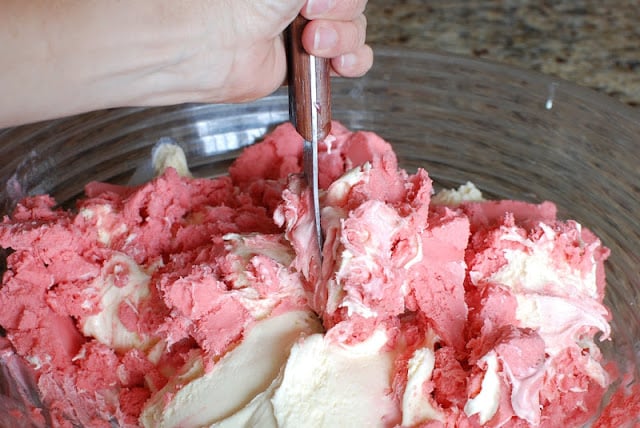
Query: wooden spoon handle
x=309, y=86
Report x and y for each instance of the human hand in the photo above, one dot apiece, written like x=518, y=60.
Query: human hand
x=59, y=58
x=246, y=57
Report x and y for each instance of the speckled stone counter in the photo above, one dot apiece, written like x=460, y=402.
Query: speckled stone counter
x=595, y=43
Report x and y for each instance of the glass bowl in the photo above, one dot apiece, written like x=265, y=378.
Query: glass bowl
x=515, y=134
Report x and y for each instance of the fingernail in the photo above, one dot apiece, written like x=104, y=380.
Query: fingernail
x=325, y=38
x=348, y=60
x=319, y=7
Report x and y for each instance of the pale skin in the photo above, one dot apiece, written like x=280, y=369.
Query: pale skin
x=64, y=57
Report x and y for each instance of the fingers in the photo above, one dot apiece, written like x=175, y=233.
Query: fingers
x=341, y=41
x=337, y=30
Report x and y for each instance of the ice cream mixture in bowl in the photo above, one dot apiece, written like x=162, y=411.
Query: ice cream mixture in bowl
x=479, y=268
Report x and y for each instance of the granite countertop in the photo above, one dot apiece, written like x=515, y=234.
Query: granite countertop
x=594, y=43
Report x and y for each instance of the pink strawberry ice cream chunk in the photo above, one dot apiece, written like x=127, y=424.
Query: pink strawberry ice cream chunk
x=109, y=302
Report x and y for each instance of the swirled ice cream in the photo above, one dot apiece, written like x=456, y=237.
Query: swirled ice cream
x=188, y=302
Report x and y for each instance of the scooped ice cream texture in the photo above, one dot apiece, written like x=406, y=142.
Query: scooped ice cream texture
x=189, y=302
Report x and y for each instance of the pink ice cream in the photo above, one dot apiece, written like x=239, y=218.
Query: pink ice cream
x=195, y=302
